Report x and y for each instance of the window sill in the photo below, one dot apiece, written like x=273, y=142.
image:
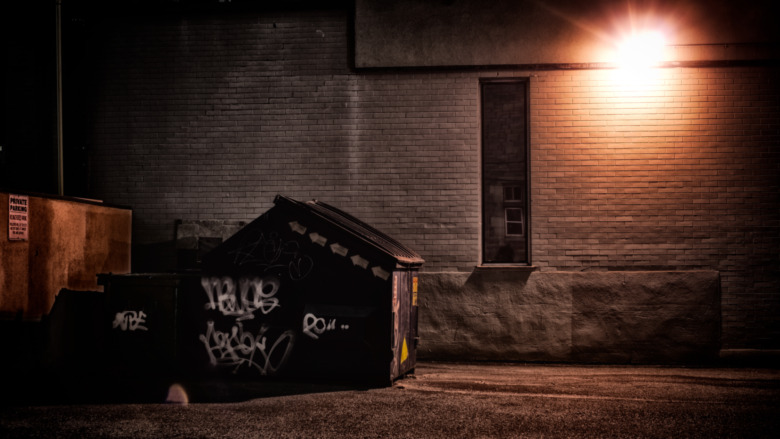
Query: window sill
x=513, y=267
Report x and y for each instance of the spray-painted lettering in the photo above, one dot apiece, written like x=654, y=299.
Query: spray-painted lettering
x=130, y=321
x=271, y=253
x=314, y=326
x=238, y=348
x=253, y=294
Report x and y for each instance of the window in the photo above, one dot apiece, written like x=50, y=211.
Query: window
x=505, y=171
x=515, y=222
x=513, y=193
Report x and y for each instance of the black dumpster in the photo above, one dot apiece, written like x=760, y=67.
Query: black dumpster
x=310, y=290
x=150, y=321
x=305, y=290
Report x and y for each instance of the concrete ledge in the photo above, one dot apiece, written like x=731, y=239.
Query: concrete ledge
x=592, y=317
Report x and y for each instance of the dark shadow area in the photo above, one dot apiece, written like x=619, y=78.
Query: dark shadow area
x=70, y=357
x=41, y=389
x=243, y=390
x=154, y=258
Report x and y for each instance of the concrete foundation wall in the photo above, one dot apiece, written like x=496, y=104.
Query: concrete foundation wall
x=594, y=317
x=70, y=242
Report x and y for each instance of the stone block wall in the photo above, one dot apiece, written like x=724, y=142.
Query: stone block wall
x=616, y=317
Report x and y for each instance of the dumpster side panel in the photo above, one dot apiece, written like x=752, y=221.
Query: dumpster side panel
x=414, y=337
x=404, y=326
x=143, y=328
x=147, y=319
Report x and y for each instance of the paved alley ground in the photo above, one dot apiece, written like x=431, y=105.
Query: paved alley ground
x=442, y=400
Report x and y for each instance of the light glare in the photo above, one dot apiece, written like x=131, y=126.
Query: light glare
x=641, y=51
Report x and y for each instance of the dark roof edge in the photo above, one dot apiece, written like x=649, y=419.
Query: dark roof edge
x=370, y=235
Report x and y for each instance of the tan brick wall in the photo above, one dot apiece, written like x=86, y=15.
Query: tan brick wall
x=680, y=172
x=209, y=118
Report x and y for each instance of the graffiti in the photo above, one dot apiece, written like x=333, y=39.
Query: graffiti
x=130, y=321
x=270, y=252
x=238, y=348
x=251, y=298
x=253, y=294
x=314, y=326
x=300, y=267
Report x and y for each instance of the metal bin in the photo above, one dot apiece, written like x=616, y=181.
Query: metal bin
x=305, y=290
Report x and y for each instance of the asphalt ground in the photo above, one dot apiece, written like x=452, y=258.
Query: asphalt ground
x=441, y=400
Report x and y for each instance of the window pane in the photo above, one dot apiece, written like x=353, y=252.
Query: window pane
x=504, y=168
x=514, y=229
x=515, y=215
x=513, y=193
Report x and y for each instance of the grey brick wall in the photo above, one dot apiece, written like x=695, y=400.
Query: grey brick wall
x=208, y=118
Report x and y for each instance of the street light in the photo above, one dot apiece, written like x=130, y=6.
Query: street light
x=636, y=59
x=641, y=50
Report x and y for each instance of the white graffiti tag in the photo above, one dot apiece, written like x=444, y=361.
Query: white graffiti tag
x=254, y=294
x=314, y=326
x=271, y=252
x=130, y=321
x=238, y=348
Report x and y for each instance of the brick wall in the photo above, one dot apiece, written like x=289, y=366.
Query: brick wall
x=207, y=118
x=211, y=118
x=678, y=172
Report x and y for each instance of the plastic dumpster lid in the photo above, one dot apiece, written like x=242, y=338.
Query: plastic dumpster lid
x=403, y=254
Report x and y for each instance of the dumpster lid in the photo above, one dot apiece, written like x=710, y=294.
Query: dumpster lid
x=338, y=218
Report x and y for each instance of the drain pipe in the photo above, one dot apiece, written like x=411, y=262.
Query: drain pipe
x=60, y=161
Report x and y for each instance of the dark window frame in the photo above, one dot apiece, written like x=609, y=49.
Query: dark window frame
x=526, y=202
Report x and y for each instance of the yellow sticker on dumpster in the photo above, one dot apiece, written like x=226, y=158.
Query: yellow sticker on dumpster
x=404, y=351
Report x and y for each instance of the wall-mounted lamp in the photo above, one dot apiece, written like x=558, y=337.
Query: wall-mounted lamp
x=636, y=55
x=641, y=51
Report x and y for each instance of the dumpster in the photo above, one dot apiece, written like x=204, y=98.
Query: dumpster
x=309, y=289
x=305, y=290
x=150, y=324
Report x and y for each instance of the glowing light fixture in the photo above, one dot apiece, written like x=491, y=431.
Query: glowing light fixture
x=641, y=51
